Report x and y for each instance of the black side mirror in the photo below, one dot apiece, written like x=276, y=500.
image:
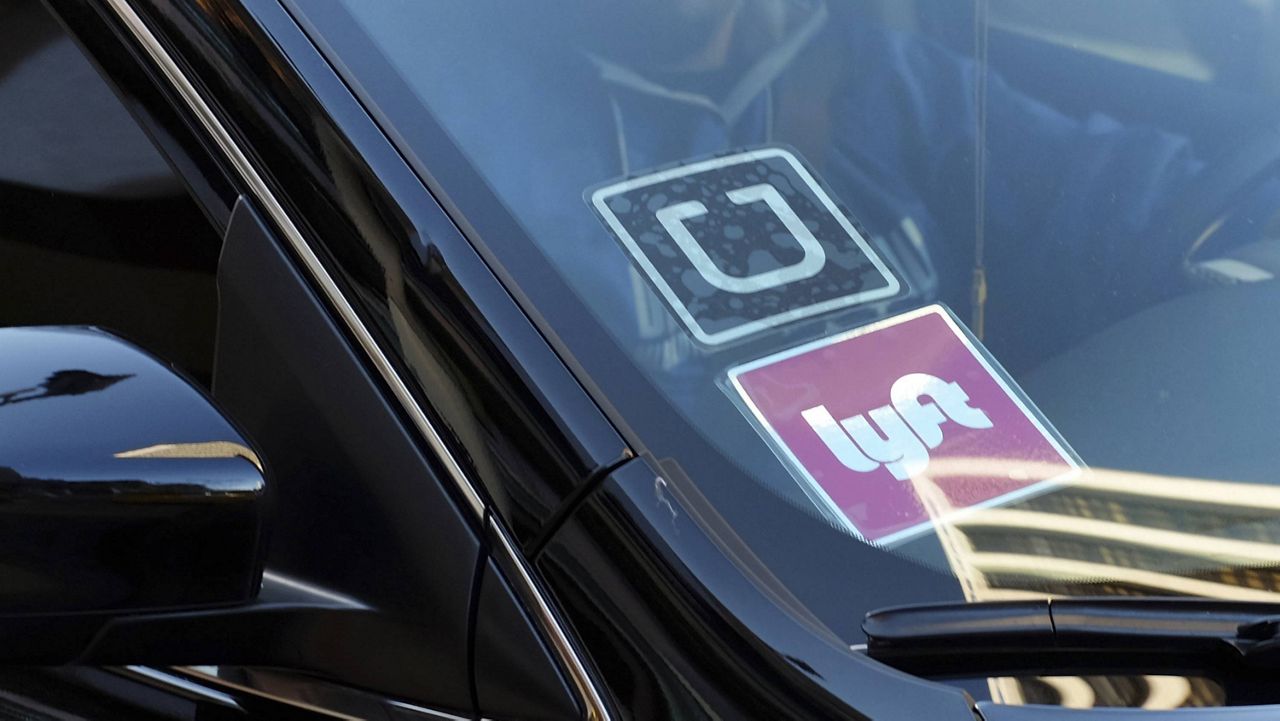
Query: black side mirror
x=122, y=488
x=133, y=518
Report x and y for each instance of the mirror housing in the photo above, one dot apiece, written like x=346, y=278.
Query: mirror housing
x=122, y=488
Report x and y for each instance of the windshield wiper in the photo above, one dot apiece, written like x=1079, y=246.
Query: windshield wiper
x=1093, y=635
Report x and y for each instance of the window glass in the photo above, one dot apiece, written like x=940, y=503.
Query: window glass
x=95, y=229
x=988, y=286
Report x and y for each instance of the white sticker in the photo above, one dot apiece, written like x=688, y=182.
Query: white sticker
x=742, y=243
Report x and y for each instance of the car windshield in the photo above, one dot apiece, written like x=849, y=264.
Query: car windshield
x=949, y=299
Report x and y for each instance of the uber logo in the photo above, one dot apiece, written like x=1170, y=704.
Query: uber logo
x=742, y=243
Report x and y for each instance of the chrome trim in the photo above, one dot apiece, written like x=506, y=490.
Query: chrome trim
x=578, y=672
x=195, y=689
x=551, y=625
x=263, y=195
x=424, y=711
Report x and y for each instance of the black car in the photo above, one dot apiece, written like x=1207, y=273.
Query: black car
x=890, y=359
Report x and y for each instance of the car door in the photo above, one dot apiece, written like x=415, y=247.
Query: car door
x=410, y=474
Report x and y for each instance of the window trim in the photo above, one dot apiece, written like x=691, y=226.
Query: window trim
x=539, y=605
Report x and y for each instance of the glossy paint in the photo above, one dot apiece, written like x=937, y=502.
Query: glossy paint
x=368, y=517
x=546, y=441
x=122, y=488
x=510, y=410
x=677, y=630
x=524, y=428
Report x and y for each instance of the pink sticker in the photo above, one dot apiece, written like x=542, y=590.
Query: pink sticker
x=900, y=423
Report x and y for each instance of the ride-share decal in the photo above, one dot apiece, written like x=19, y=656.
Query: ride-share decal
x=902, y=424
x=744, y=242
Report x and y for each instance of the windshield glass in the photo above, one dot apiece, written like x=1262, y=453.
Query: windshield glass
x=984, y=287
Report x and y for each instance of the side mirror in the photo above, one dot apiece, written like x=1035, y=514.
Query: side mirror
x=122, y=488
x=133, y=521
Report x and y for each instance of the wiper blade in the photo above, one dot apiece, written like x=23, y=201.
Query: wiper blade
x=1077, y=635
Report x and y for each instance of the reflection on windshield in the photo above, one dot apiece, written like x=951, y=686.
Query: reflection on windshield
x=1149, y=692
x=1091, y=188
x=1110, y=532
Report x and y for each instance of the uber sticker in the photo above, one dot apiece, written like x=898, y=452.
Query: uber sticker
x=901, y=423
x=742, y=243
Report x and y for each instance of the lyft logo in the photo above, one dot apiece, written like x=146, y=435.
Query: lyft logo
x=904, y=430
x=950, y=411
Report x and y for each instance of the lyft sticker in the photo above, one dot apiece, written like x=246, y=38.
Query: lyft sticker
x=903, y=423
x=742, y=243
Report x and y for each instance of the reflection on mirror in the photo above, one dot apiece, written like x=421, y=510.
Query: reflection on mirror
x=123, y=489
x=61, y=383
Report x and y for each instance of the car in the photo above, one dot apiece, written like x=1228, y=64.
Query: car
x=615, y=360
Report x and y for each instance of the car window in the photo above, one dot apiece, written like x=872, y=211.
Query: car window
x=988, y=286
x=95, y=229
